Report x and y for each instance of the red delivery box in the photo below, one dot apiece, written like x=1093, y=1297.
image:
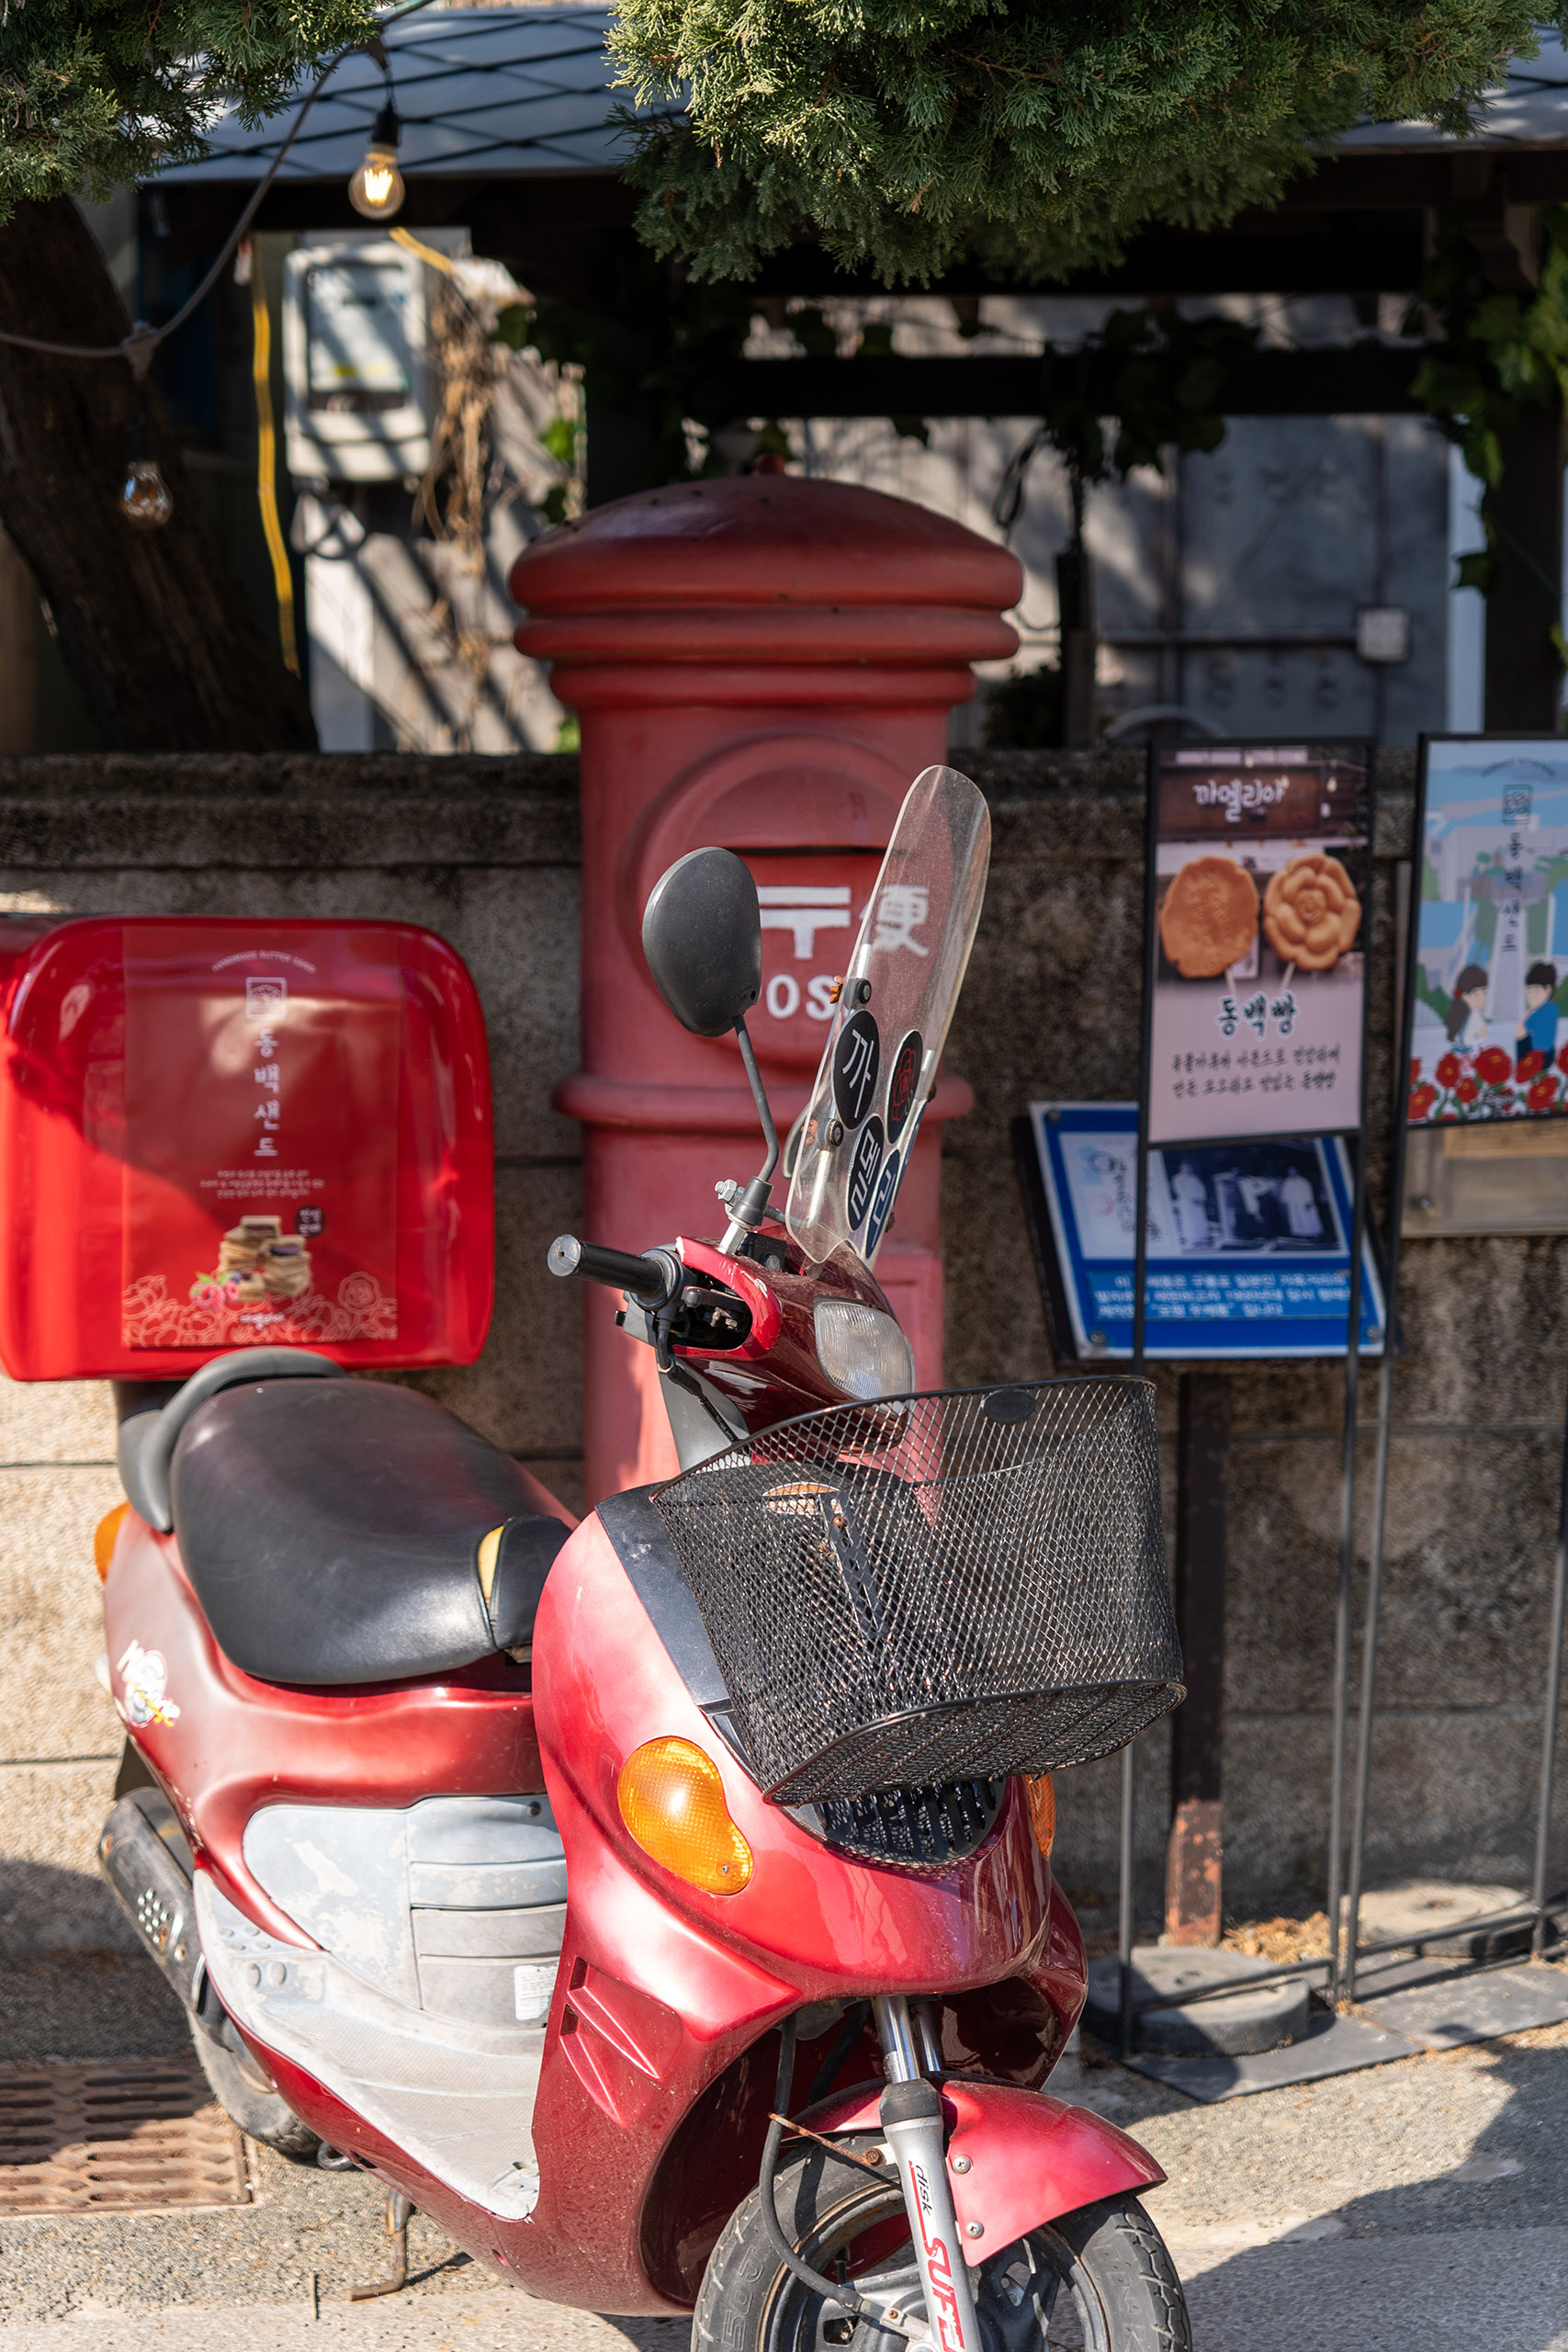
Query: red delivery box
x=223, y=1133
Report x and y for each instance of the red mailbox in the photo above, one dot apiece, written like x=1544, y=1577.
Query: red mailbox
x=225, y=1133
x=766, y=664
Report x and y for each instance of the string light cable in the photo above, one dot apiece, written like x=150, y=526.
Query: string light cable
x=138, y=346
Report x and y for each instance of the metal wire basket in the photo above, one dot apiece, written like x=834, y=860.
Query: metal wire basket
x=935, y=1588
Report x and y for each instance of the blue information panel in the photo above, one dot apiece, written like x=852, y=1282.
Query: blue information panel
x=1248, y=1255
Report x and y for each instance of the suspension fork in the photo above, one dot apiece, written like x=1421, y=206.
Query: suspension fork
x=912, y=2122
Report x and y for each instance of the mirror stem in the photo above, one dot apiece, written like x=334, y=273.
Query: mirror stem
x=748, y=1211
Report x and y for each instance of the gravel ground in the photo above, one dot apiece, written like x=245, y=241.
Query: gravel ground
x=1412, y=2205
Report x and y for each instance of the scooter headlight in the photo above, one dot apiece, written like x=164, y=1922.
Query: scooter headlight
x=672, y=1800
x=862, y=1351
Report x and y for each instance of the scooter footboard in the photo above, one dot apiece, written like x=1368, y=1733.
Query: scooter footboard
x=1015, y=2158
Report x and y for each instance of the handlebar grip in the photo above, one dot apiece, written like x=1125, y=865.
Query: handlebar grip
x=649, y=1279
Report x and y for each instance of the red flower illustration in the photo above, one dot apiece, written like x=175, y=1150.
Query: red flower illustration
x=1562, y=1059
x=1466, y=1091
x=1421, y=1101
x=1447, y=1069
x=1529, y=1065
x=1543, y=1093
x=1416, y=1071
x=1492, y=1066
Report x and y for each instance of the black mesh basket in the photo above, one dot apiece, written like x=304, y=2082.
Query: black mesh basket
x=936, y=1589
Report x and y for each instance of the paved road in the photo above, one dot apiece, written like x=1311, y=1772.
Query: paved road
x=1421, y=2207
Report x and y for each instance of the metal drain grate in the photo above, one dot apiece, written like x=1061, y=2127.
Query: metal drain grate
x=141, y=2136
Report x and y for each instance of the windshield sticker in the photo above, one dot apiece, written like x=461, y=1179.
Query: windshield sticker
x=864, y=1170
x=883, y=1203
x=857, y=1065
x=903, y=1084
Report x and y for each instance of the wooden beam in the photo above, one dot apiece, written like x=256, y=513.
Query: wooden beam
x=1193, y=1906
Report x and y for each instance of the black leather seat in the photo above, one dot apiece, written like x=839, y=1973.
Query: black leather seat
x=331, y=1530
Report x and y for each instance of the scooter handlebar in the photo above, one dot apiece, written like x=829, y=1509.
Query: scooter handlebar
x=652, y=1279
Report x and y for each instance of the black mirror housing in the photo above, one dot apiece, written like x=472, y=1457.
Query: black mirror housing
x=702, y=933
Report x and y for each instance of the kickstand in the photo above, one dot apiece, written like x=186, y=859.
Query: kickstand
x=399, y=2212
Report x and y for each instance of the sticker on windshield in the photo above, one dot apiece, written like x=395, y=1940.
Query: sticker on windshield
x=882, y=1205
x=864, y=1169
x=857, y=1065
x=902, y=1085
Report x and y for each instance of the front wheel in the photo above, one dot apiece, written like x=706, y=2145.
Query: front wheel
x=1096, y=2280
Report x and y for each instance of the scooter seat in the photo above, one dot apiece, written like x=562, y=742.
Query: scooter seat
x=331, y=1531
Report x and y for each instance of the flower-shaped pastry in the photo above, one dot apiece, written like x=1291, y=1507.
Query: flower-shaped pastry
x=1311, y=912
x=1208, y=919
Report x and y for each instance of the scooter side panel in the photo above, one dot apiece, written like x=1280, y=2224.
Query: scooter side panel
x=1031, y=2158
x=223, y=1744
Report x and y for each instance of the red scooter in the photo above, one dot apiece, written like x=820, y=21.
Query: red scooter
x=664, y=1904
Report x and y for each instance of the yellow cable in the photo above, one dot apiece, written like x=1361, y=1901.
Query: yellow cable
x=410, y=245
x=266, y=464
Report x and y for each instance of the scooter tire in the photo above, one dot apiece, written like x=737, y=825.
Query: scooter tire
x=1099, y=2279
x=250, y=2102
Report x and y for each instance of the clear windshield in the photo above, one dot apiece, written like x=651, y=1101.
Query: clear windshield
x=892, y=1018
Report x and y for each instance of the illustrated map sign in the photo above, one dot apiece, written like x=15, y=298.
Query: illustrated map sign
x=1262, y=864
x=1248, y=1251
x=1490, y=963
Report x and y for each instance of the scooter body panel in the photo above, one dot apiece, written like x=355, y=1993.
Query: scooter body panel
x=223, y=1744
x=1016, y=2158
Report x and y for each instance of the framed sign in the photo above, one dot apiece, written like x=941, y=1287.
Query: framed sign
x=1488, y=981
x=1248, y=1243
x=1261, y=863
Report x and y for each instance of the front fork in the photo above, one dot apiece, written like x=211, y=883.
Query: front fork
x=912, y=2122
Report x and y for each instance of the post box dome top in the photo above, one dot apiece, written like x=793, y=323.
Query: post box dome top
x=767, y=540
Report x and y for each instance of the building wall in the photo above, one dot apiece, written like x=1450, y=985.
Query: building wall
x=485, y=852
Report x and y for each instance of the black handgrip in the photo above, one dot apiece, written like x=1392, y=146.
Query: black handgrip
x=652, y=1279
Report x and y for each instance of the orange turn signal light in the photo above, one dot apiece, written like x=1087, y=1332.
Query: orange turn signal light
x=104, y=1535
x=672, y=1800
x=1043, y=1811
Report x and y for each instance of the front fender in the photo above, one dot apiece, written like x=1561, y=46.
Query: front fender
x=1030, y=2156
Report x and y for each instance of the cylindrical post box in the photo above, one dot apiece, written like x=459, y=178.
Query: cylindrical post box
x=766, y=664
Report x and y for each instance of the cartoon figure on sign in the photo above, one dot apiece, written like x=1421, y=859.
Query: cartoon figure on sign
x=1465, y=1020
x=1537, y=1033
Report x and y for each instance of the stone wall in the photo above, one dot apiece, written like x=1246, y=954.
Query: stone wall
x=484, y=852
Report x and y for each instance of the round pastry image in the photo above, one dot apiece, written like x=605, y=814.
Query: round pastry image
x=1210, y=917
x=1311, y=912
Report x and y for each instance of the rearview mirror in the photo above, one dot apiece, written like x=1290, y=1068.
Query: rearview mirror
x=703, y=937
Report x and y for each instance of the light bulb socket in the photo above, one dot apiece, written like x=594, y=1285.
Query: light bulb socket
x=137, y=438
x=386, y=130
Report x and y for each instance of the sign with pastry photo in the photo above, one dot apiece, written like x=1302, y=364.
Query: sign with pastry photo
x=1262, y=862
x=261, y=1102
x=1489, y=997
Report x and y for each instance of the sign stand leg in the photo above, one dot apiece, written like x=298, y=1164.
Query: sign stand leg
x=1549, y=1711
x=1193, y=1885
x=1341, y=1716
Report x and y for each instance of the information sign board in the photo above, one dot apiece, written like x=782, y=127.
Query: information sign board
x=1248, y=1249
x=1262, y=857
x=1489, y=975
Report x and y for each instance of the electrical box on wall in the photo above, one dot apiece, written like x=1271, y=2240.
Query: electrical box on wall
x=356, y=360
x=220, y=1133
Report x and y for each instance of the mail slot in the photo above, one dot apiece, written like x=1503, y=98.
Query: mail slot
x=218, y=1134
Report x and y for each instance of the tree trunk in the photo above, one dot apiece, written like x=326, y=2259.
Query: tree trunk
x=151, y=625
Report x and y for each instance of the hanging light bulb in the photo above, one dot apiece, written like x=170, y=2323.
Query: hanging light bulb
x=377, y=188
x=144, y=499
